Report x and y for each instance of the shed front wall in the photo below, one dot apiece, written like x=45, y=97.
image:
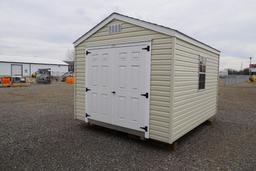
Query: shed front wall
x=161, y=66
x=191, y=106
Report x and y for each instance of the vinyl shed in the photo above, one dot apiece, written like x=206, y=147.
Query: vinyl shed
x=144, y=79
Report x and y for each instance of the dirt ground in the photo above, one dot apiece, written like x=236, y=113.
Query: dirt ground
x=38, y=132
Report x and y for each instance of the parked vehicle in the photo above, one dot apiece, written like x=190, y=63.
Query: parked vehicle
x=44, y=76
x=18, y=79
x=67, y=74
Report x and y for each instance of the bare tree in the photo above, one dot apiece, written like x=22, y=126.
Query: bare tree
x=70, y=55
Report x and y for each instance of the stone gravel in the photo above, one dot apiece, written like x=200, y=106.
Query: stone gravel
x=38, y=132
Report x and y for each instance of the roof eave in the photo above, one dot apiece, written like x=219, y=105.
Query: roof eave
x=94, y=29
x=195, y=42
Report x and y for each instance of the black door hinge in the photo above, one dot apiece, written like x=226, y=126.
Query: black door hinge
x=146, y=48
x=145, y=128
x=87, y=89
x=86, y=115
x=146, y=95
x=87, y=52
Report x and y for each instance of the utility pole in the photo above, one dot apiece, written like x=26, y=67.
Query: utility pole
x=250, y=66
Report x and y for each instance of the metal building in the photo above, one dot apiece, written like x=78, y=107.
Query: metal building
x=25, y=66
x=143, y=78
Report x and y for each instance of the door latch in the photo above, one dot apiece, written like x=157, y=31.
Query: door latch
x=146, y=48
x=87, y=89
x=87, y=52
x=146, y=95
x=145, y=128
x=86, y=115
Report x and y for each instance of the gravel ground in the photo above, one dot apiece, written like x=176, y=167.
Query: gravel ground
x=37, y=132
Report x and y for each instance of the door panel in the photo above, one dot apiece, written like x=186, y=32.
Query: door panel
x=126, y=72
x=129, y=84
x=99, y=81
x=135, y=80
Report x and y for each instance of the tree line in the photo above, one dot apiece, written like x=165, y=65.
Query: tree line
x=238, y=72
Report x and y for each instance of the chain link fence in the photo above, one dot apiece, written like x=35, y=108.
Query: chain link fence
x=235, y=79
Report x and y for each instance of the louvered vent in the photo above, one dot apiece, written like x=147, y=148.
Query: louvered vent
x=114, y=28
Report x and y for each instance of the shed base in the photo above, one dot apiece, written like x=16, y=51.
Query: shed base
x=209, y=122
x=173, y=146
x=118, y=128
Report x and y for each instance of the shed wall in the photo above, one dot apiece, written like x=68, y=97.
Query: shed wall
x=191, y=106
x=161, y=52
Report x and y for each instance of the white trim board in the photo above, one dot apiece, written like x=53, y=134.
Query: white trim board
x=148, y=25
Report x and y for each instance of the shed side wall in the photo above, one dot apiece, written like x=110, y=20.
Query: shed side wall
x=191, y=106
x=161, y=55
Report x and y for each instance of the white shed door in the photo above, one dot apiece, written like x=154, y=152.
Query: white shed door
x=99, y=85
x=118, y=84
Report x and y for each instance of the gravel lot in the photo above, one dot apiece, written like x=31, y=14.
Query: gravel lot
x=37, y=132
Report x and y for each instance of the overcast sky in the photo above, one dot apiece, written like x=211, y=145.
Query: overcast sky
x=47, y=28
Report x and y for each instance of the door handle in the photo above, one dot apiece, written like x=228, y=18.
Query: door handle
x=113, y=92
x=144, y=128
x=145, y=95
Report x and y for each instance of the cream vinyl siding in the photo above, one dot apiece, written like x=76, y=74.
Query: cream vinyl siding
x=160, y=85
x=79, y=88
x=191, y=106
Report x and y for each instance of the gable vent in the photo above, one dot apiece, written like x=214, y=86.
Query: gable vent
x=114, y=28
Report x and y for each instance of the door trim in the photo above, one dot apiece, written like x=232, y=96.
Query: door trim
x=130, y=44
x=148, y=79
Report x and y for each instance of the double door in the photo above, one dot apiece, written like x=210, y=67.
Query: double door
x=118, y=85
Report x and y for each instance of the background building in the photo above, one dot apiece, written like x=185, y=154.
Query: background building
x=25, y=66
x=70, y=65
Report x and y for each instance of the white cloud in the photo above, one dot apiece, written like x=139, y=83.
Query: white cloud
x=33, y=47
x=47, y=28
